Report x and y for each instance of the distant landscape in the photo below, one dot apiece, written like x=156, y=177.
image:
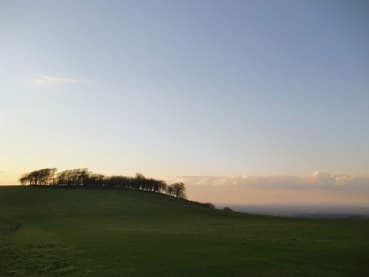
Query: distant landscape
x=308, y=211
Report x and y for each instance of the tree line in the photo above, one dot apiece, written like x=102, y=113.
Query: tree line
x=83, y=178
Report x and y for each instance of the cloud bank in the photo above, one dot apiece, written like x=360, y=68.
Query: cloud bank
x=320, y=187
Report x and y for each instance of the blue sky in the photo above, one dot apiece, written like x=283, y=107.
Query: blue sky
x=185, y=88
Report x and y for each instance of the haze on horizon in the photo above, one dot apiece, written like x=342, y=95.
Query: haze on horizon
x=201, y=91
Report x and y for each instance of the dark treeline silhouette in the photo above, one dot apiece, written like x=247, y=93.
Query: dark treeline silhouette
x=83, y=178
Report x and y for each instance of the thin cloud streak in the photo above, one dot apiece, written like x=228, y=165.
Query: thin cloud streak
x=46, y=80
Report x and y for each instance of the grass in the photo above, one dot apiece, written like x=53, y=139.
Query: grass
x=61, y=232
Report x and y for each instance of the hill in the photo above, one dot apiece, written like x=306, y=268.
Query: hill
x=76, y=232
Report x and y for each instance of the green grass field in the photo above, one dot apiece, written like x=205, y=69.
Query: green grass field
x=66, y=232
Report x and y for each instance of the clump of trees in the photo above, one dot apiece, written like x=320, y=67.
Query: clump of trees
x=45, y=176
x=83, y=178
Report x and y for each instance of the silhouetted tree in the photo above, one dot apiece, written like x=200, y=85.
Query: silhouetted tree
x=24, y=180
x=170, y=190
x=39, y=177
x=177, y=190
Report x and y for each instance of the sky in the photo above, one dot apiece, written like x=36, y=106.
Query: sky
x=184, y=89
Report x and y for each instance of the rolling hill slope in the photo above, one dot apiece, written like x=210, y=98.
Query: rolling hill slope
x=73, y=232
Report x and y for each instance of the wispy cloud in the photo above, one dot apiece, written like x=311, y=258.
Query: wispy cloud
x=46, y=80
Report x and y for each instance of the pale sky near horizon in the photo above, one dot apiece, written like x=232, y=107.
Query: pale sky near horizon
x=185, y=88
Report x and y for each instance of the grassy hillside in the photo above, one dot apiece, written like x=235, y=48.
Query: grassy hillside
x=54, y=232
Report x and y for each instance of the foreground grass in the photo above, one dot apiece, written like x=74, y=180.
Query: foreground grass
x=60, y=232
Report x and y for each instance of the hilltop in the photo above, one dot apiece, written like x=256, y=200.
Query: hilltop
x=79, y=232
